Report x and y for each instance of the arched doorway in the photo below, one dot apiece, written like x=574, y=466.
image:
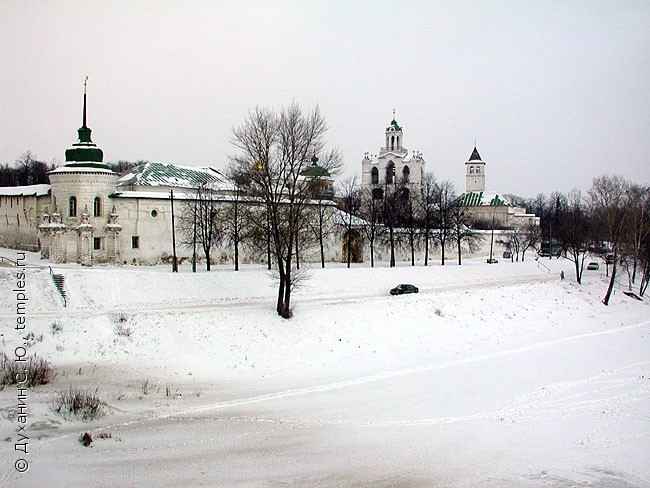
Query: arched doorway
x=356, y=247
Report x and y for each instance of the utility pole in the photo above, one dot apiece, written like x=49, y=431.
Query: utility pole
x=174, y=262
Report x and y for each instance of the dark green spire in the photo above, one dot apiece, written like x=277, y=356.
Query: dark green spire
x=84, y=150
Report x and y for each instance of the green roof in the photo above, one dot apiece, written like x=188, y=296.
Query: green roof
x=315, y=171
x=477, y=199
x=162, y=174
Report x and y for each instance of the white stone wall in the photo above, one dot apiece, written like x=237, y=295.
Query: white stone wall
x=19, y=220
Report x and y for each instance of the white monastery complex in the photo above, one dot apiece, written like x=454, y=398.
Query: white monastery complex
x=89, y=214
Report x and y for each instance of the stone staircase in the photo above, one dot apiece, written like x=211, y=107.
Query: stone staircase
x=59, y=283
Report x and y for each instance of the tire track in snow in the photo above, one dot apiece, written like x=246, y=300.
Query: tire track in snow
x=281, y=395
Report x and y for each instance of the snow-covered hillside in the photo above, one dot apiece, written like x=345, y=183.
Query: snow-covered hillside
x=493, y=375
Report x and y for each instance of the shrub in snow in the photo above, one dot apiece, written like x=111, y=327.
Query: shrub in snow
x=86, y=439
x=34, y=371
x=82, y=404
x=56, y=327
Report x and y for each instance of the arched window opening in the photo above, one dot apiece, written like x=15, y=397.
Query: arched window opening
x=471, y=170
x=97, y=207
x=397, y=140
x=390, y=173
x=72, y=207
x=404, y=194
x=478, y=169
x=392, y=143
x=374, y=174
x=406, y=174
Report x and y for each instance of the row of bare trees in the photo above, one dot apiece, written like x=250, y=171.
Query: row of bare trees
x=414, y=218
x=612, y=220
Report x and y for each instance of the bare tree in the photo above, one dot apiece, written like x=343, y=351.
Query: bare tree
x=443, y=203
x=322, y=194
x=274, y=150
x=609, y=198
x=463, y=232
x=371, y=214
x=350, y=199
x=390, y=218
x=199, y=222
x=234, y=221
x=638, y=230
x=426, y=212
x=574, y=231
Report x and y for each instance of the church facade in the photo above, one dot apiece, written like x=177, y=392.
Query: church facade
x=392, y=165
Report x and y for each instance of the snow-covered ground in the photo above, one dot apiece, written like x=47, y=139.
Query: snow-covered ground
x=493, y=375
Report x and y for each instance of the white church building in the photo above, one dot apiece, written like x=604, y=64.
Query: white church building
x=392, y=165
x=89, y=214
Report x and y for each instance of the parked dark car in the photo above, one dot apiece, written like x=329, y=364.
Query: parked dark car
x=592, y=266
x=401, y=289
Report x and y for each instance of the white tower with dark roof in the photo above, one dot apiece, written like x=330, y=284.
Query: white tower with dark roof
x=475, y=173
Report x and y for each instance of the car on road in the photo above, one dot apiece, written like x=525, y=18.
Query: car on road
x=593, y=266
x=404, y=288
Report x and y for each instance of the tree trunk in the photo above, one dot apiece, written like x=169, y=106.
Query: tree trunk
x=459, y=251
x=426, y=249
x=280, y=305
x=236, y=254
x=348, y=248
x=610, y=287
x=392, y=249
x=322, y=249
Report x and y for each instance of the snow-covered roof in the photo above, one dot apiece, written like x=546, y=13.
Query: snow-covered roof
x=340, y=217
x=25, y=191
x=482, y=198
x=86, y=168
x=174, y=176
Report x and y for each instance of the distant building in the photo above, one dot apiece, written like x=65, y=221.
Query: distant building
x=393, y=164
x=490, y=208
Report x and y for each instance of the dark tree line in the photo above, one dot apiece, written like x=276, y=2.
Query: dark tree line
x=26, y=170
x=414, y=218
x=29, y=170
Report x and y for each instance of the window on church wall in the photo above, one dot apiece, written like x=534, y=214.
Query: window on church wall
x=478, y=169
x=377, y=194
x=392, y=142
x=135, y=242
x=72, y=207
x=406, y=174
x=97, y=243
x=97, y=207
x=471, y=170
x=397, y=141
x=374, y=175
x=390, y=173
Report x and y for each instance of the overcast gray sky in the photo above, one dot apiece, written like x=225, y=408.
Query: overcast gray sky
x=554, y=93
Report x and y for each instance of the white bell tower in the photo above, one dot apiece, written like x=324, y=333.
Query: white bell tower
x=475, y=173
